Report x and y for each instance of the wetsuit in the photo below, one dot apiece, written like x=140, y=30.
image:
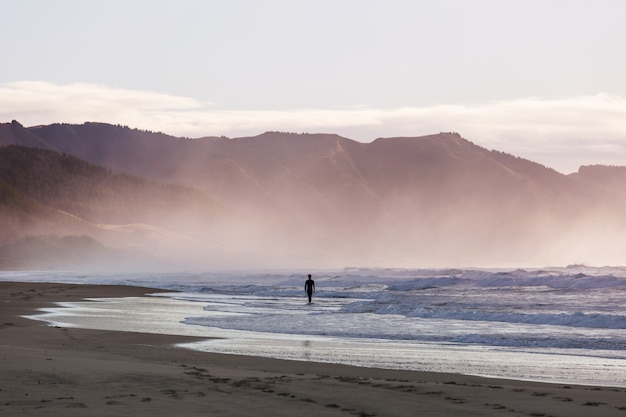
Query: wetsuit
x=309, y=287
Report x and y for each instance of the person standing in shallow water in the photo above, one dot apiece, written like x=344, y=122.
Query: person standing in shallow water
x=309, y=287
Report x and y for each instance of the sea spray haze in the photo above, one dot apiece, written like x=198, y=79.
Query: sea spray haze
x=287, y=200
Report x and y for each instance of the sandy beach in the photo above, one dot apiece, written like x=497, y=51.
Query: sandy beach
x=53, y=371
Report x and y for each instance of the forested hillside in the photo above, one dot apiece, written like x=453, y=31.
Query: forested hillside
x=47, y=197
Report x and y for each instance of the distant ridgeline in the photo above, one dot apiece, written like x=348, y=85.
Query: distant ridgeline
x=285, y=198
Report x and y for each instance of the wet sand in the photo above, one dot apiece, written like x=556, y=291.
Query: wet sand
x=53, y=371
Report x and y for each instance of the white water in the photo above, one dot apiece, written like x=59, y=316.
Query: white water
x=565, y=325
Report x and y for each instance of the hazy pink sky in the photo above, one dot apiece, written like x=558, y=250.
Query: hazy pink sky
x=540, y=79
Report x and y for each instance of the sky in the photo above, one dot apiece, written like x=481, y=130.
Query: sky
x=543, y=80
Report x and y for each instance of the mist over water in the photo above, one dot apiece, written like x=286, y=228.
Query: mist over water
x=394, y=237
x=268, y=245
x=388, y=234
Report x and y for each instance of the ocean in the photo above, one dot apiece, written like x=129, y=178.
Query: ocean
x=560, y=325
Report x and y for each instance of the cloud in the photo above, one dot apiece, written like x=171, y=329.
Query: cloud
x=560, y=132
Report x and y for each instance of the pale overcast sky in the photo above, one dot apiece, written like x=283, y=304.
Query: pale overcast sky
x=539, y=79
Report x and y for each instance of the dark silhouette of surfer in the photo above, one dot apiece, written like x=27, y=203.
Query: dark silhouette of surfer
x=309, y=287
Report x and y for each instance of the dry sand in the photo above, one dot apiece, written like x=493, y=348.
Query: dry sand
x=52, y=371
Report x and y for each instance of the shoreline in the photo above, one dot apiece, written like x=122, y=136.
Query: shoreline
x=46, y=370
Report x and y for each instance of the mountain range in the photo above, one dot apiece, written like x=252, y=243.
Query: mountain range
x=283, y=199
